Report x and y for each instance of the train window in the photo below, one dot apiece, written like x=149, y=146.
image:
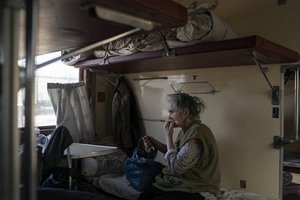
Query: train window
x=57, y=72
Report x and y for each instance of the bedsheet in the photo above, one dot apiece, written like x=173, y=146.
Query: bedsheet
x=117, y=185
x=226, y=194
x=202, y=26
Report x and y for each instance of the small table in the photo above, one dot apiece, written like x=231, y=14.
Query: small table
x=81, y=150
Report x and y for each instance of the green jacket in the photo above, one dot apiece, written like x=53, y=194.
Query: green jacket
x=205, y=176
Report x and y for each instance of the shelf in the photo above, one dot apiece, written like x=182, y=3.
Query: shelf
x=234, y=52
x=70, y=24
x=291, y=169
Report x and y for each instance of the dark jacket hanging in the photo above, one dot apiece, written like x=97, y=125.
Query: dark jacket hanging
x=54, y=152
x=126, y=124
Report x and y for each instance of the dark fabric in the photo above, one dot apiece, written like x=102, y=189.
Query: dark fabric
x=141, y=169
x=56, y=177
x=126, y=124
x=54, y=152
x=156, y=194
x=59, y=178
x=64, y=194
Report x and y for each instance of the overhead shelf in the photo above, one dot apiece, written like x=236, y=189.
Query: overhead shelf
x=233, y=52
x=71, y=24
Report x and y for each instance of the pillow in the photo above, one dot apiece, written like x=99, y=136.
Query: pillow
x=89, y=167
x=106, y=164
x=111, y=163
x=117, y=185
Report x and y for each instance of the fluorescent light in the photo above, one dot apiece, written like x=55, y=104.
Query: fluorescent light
x=123, y=18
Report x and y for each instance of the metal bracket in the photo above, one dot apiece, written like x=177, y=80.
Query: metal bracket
x=148, y=79
x=89, y=47
x=279, y=142
x=212, y=90
x=257, y=57
x=105, y=58
x=105, y=61
x=168, y=52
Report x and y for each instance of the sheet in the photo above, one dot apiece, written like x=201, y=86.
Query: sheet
x=117, y=184
x=202, y=26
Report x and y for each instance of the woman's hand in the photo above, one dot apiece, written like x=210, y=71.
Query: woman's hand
x=148, y=141
x=169, y=126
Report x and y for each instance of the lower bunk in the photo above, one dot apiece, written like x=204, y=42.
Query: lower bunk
x=106, y=173
x=103, y=178
x=116, y=187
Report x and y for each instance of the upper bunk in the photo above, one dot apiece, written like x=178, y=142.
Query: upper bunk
x=232, y=52
x=72, y=24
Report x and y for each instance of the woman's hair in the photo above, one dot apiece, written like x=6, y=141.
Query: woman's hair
x=194, y=104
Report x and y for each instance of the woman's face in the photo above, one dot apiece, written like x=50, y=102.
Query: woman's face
x=175, y=115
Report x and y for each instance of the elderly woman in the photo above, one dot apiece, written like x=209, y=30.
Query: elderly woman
x=192, y=170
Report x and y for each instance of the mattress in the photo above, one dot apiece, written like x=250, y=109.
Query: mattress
x=202, y=26
x=118, y=185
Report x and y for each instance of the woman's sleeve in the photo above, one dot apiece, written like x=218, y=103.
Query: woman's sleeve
x=188, y=156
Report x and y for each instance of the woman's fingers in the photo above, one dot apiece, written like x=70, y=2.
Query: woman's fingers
x=147, y=141
x=172, y=124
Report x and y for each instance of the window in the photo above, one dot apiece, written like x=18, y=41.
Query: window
x=57, y=72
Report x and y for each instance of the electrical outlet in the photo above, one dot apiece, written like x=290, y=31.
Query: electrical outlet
x=275, y=112
x=242, y=184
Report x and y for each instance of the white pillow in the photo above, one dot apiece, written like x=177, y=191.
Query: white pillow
x=117, y=185
x=106, y=164
x=89, y=166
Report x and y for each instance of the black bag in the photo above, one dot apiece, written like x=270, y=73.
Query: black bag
x=141, y=169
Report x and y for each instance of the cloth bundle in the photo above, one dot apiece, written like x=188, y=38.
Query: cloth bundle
x=141, y=168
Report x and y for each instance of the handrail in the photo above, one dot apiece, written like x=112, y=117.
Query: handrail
x=89, y=47
x=9, y=140
x=258, y=58
x=296, y=104
x=279, y=141
x=30, y=190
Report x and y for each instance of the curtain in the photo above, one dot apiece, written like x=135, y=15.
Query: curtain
x=72, y=110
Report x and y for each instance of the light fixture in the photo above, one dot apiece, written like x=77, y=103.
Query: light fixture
x=124, y=18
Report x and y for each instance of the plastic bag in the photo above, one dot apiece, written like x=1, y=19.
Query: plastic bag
x=141, y=169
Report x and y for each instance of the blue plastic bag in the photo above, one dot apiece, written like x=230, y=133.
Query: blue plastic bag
x=141, y=169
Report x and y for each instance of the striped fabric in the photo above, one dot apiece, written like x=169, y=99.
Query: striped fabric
x=188, y=156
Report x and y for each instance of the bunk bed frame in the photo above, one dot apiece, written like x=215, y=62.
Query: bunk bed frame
x=233, y=52
x=72, y=24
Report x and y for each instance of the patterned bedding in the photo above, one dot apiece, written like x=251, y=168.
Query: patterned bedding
x=117, y=185
x=202, y=26
x=241, y=195
x=107, y=174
